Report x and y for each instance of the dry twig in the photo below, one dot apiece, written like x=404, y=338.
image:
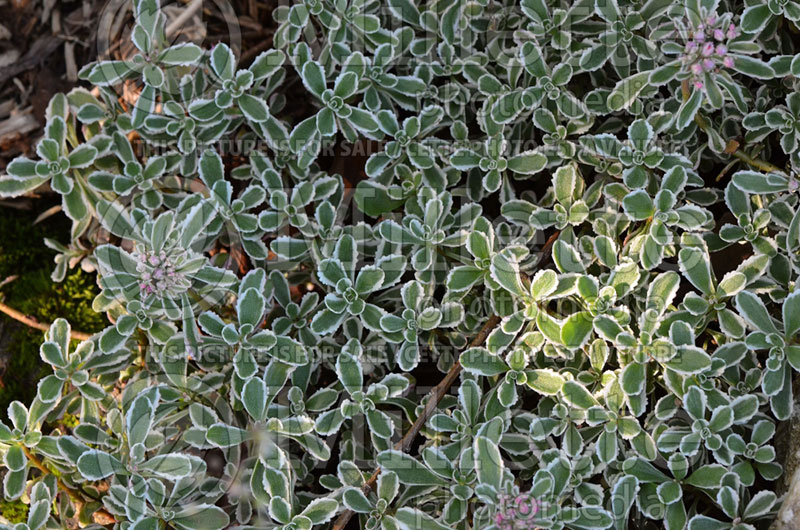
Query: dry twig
x=35, y=324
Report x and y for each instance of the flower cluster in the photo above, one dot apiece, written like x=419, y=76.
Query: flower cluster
x=516, y=512
x=159, y=273
x=707, y=50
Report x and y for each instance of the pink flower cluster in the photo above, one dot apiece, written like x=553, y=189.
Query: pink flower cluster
x=157, y=272
x=516, y=512
x=706, y=51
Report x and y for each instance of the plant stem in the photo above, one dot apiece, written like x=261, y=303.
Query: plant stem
x=74, y=495
x=757, y=163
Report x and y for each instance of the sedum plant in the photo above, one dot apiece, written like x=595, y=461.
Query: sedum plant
x=547, y=280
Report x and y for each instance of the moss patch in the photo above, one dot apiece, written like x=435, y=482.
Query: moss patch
x=23, y=254
x=14, y=511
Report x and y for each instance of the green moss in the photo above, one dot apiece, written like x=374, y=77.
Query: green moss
x=22, y=243
x=36, y=295
x=24, y=255
x=70, y=420
x=23, y=368
x=14, y=511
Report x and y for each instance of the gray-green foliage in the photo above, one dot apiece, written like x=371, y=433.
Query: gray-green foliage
x=277, y=316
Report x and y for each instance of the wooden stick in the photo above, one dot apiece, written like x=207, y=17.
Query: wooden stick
x=185, y=15
x=35, y=324
x=434, y=397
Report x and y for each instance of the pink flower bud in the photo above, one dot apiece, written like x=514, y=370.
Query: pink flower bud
x=711, y=20
x=697, y=69
x=731, y=31
x=728, y=62
x=722, y=49
x=708, y=49
x=708, y=65
x=698, y=85
x=719, y=34
x=699, y=36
